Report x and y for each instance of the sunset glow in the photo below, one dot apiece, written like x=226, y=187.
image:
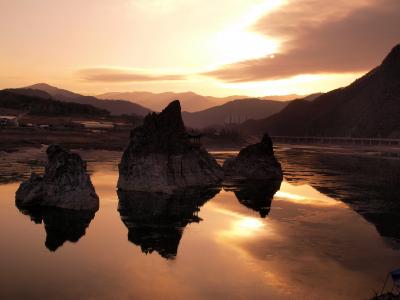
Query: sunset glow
x=220, y=49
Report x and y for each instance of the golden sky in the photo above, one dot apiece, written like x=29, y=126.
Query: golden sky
x=220, y=48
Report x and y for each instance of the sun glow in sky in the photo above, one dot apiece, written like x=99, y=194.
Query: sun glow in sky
x=221, y=48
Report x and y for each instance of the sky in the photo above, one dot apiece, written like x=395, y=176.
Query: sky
x=218, y=48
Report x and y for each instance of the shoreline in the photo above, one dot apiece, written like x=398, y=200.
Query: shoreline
x=16, y=140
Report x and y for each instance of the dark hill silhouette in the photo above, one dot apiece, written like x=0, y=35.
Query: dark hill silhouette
x=157, y=101
x=236, y=111
x=369, y=107
x=115, y=107
x=24, y=100
x=191, y=102
x=31, y=92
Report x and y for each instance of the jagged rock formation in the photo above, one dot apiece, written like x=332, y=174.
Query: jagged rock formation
x=255, y=162
x=161, y=158
x=61, y=225
x=65, y=184
x=156, y=221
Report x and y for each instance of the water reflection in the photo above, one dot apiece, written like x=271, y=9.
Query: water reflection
x=369, y=184
x=256, y=195
x=310, y=246
x=156, y=221
x=61, y=225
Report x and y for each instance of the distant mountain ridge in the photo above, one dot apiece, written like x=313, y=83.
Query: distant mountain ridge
x=28, y=101
x=115, y=107
x=369, y=107
x=236, y=111
x=190, y=101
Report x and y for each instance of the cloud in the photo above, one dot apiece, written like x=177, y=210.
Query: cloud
x=319, y=37
x=118, y=75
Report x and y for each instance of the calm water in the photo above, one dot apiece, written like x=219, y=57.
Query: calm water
x=224, y=243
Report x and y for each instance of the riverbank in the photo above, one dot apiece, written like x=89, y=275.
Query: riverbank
x=15, y=139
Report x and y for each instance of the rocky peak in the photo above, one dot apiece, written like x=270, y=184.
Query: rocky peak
x=169, y=118
x=255, y=162
x=393, y=56
x=264, y=147
x=160, y=156
x=65, y=184
x=162, y=132
x=53, y=150
x=391, y=63
x=61, y=162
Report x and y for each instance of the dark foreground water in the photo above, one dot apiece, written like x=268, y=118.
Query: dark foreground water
x=317, y=239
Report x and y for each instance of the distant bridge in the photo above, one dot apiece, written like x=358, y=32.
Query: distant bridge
x=335, y=140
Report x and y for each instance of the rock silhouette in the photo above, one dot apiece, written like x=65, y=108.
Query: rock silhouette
x=65, y=184
x=61, y=225
x=256, y=195
x=161, y=158
x=255, y=162
x=156, y=221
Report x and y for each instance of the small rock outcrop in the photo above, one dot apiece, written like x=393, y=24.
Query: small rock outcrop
x=256, y=162
x=65, y=184
x=161, y=158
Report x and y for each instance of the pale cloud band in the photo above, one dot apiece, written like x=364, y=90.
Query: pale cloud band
x=118, y=75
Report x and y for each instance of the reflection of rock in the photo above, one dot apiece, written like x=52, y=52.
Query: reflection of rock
x=256, y=195
x=255, y=162
x=161, y=158
x=156, y=221
x=61, y=224
x=65, y=184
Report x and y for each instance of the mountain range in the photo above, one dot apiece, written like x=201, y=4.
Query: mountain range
x=36, y=102
x=115, y=107
x=230, y=112
x=190, y=101
x=369, y=107
x=233, y=112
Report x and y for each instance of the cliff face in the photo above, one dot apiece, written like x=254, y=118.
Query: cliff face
x=255, y=162
x=65, y=184
x=161, y=158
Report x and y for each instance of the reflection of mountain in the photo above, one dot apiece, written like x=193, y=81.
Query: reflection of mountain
x=61, y=225
x=257, y=195
x=156, y=221
x=369, y=184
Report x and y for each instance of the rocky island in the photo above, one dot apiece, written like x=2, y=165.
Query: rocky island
x=161, y=157
x=65, y=184
x=255, y=162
